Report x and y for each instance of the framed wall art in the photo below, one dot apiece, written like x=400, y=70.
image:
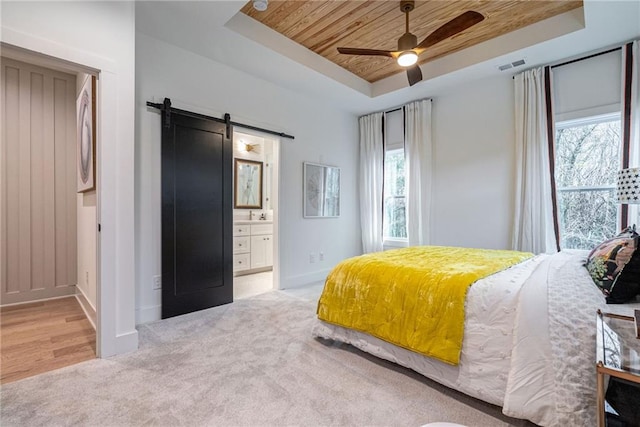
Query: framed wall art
x=321, y=185
x=248, y=184
x=86, y=135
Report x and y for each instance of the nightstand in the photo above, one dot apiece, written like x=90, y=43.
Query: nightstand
x=618, y=358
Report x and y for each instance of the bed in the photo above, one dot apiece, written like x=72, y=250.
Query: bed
x=528, y=345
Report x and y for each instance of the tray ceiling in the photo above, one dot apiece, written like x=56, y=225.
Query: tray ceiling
x=322, y=26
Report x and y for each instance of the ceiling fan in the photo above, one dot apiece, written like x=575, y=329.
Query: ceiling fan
x=408, y=47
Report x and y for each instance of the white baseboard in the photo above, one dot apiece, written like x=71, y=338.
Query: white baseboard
x=37, y=300
x=88, y=309
x=304, y=279
x=148, y=314
x=126, y=343
x=153, y=313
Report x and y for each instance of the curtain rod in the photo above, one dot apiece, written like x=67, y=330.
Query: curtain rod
x=227, y=118
x=404, y=105
x=398, y=107
x=586, y=57
x=582, y=58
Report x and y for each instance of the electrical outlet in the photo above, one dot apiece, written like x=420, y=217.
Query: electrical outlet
x=157, y=282
x=86, y=278
x=312, y=258
x=321, y=256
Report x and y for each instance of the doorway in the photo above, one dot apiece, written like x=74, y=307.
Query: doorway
x=255, y=260
x=48, y=228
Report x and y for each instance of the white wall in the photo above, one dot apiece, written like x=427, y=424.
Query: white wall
x=87, y=226
x=473, y=138
x=98, y=36
x=322, y=133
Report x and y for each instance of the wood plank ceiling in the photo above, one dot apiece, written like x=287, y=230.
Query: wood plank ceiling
x=324, y=25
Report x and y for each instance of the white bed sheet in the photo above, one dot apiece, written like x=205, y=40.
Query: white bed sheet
x=529, y=342
x=484, y=362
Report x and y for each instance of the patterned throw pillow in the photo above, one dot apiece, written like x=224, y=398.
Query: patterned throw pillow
x=614, y=266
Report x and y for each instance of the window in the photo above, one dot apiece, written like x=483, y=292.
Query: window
x=394, y=222
x=587, y=163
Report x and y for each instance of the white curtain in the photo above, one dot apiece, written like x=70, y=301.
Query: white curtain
x=371, y=181
x=418, y=170
x=533, y=222
x=635, y=105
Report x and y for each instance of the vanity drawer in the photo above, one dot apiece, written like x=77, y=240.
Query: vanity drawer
x=241, y=244
x=242, y=230
x=241, y=262
x=257, y=229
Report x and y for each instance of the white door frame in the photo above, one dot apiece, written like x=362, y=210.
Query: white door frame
x=115, y=275
x=275, y=197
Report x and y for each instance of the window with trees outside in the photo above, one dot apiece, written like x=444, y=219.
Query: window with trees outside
x=394, y=220
x=587, y=161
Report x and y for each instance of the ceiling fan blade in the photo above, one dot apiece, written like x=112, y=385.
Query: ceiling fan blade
x=451, y=28
x=414, y=74
x=372, y=52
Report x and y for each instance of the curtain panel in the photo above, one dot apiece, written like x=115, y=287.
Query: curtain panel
x=630, y=121
x=418, y=170
x=533, y=229
x=371, y=180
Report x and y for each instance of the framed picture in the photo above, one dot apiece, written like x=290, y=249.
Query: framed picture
x=248, y=184
x=86, y=135
x=321, y=185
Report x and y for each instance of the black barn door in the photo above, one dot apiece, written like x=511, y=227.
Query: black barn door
x=196, y=215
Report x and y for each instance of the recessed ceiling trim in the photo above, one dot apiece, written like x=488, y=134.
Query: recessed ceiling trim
x=322, y=26
x=539, y=32
x=259, y=33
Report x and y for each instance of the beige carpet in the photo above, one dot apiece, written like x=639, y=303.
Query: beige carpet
x=249, y=363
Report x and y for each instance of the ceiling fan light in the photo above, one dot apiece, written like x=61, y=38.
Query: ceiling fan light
x=407, y=58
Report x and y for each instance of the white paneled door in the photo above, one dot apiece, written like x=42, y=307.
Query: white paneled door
x=38, y=250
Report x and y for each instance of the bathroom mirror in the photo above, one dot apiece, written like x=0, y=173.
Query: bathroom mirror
x=321, y=191
x=248, y=184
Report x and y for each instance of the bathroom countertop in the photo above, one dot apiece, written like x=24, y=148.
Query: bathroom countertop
x=254, y=221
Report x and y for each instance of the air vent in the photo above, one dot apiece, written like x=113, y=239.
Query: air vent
x=513, y=64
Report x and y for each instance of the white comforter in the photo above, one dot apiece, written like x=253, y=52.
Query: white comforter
x=529, y=342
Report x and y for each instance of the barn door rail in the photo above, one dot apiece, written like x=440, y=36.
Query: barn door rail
x=167, y=110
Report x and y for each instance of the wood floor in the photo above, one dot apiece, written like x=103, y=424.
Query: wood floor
x=43, y=336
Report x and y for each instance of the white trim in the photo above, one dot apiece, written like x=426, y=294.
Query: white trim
x=304, y=279
x=37, y=300
x=84, y=295
x=127, y=342
x=276, y=202
x=275, y=197
x=115, y=178
x=148, y=314
x=86, y=61
x=588, y=188
x=390, y=243
x=85, y=309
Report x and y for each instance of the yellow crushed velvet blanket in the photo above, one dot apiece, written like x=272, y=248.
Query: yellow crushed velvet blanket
x=412, y=297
